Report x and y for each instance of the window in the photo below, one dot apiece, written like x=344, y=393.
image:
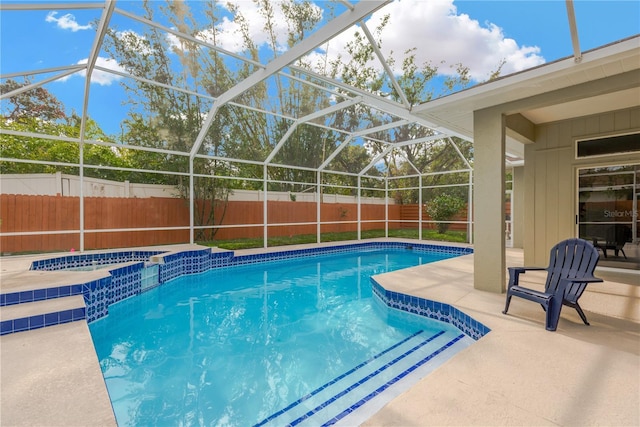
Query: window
x=608, y=213
x=609, y=145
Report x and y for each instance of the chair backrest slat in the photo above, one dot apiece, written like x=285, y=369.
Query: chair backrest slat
x=571, y=258
x=577, y=267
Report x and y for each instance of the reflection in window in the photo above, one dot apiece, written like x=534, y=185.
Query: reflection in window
x=608, y=213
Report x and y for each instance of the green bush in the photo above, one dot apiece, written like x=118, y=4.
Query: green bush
x=443, y=208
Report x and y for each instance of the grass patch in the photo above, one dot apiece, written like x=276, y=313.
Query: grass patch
x=427, y=234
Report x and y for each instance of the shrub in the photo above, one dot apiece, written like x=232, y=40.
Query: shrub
x=443, y=208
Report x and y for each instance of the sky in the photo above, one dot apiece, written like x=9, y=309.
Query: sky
x=479, y=34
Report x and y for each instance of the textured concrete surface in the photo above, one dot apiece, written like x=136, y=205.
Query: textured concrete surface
x=518, y=374
x=51, y=377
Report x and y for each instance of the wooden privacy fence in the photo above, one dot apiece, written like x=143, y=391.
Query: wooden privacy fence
x=409, y=216
x=283, y=216
x=35, y=215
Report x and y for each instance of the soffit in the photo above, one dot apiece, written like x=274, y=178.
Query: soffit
x=455, y=112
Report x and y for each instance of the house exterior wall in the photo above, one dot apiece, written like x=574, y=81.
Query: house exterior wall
x=550, y=176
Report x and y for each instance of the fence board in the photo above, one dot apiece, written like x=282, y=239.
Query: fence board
x=49, y=209
x=50, y=213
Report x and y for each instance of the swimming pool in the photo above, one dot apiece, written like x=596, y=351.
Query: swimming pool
x=295, y=341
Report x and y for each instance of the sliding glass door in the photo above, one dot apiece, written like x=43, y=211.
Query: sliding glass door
x=608, y=200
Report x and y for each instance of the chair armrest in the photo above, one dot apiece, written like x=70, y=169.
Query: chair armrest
x=585, y=279
x=514, y=274
x=565, y=282
x=524, y=269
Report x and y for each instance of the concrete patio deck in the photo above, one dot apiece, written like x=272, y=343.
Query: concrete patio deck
x=518, y=374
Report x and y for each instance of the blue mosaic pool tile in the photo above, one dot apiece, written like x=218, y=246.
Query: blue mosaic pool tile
x=66, y=316
x=6, y=327
x=86, y=260
x=39, y=294
x=12, y=298
x=126, y=281
x=344, y=375
x=78, y=313
x=431, y=309
x=26, y=296
x=389, y=383
x=36, y=321
x=175, y=265
x=373, y=374
x=96, y=294
x=21, y=324
x=287, y=254
x=53, y=293
x=51, y=319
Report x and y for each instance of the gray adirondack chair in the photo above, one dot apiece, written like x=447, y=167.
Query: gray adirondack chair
x=571, y=266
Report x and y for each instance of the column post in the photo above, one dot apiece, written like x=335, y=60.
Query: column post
x=489, y=194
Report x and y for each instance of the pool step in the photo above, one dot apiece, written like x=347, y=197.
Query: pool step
x=39, y=314
x=340, y=397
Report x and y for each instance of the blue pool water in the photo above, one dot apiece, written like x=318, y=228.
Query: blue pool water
x=299, y=342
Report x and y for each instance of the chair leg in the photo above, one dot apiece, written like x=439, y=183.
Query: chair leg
x=581, y=313
x=553, y=313
x=506, y=306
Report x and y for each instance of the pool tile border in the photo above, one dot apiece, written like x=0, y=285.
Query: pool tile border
x=431, y=309
x=72, y=261
x=42, y=320
x=320, y=389
x=126, y=280
x=391, y=382
x=380, y=389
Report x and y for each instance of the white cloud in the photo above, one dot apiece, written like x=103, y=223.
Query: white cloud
x=100, y=77
x=445, y=38
x=441, y=35
x=228, y=33
x=103, y=78
x=66, y=22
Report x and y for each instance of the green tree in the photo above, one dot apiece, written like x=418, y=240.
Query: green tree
x=38, y=111
x=418, y=85
x=36, y=103
x=442, y=208
x=169, y=121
